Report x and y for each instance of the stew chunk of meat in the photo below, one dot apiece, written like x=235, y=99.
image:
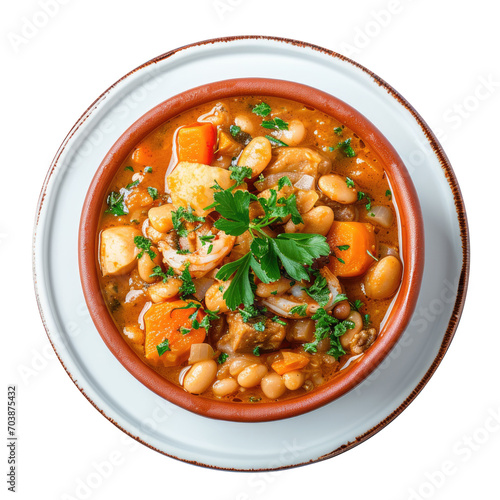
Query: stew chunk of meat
x=243, y=337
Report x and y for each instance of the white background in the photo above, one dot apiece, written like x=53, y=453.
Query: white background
x=438, y=54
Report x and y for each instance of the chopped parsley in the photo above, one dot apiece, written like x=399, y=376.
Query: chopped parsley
x=366, y=320
x=116, y=204
x=319, y=291
x=148, y=170
x=349, y=182
x=299, y=310
x=206, y=238
x=388, y=194
x=275, y=124
x=256, y=351
x=157, y=272
x=261, y=109
x=222, y=358
x=184, y=251
x=144, y=245
x=129, y=168
x=187, y=287
x=132, y=184
x=278, y=320
x=234, y=130
x=284, y=181
x=343, y=247
x=345, y=147
x=153, y=192
x=184, y=214
x=163, y=347
x=342, y=261
x=276, y=142
x=338, y=130
x=210, y=248
x=357, y=305
x=239, y=174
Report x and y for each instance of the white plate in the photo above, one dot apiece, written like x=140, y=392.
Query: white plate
x=178, y=433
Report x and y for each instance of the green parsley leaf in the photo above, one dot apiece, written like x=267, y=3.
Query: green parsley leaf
x=234, y=130
x=206, y=238
x=129, y=168
x=239, y=174
x=116, y=204
x=256, y=351
x=209, y=249
x=187, y=287
x=240, y=290
x=342, y=261
x=349, y=182
x=157, y=272
x=346, y=148
x=277, y=142
x=261, y=109
x=184, y=331
x=357, y=305
x=338, y=130
x=182, y=214
x=278, y=320
x=299, y=310
x=343, y=247
x=366, y=320
x=330, y=327
x=144, y=244
x=184, y=251
x=234, y=207
x=339, y=298
x=388, y=193
x=284, y=181
x=153, y=192
x=319, y=291
x=132, y=184
x=148, y=170
x=275, y=124
x=163, y=347
x=222, y=358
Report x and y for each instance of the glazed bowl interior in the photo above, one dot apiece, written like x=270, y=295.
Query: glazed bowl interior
x=410, y=230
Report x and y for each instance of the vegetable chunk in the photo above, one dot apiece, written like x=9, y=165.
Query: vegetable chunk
x=353, y=245
x=196, y=143
x=118, y=251
x=169, y=332
x=191, y=184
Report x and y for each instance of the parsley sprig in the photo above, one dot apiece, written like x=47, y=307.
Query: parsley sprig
x=183, y=214
x=116, y=204
x=290, y=251
x=144, y=245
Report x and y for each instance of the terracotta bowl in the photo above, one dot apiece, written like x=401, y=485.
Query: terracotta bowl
x=411, y=235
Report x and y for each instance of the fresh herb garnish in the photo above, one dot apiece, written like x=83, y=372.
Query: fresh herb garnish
x=163, y=347
x=284, y=181
x=339, y=298
x=129, y=168
x=299, y=310
x=330, y=327
x=234, y=130
x=276, y=141
x=319, y=291
x=388, y=194
x=209, y=249
x=261, y=109
x=349, y=182
x=187, y=287
x=182, y=251
x=132, y=184
x=206, y=238
x=222, y=358
x=342, y=261
x=338, y=130
x=346, y=148
x=278, y=320
x=116, y=204
x=157, y=272
x=184, y=214
x=275, y=124
x=153, y=192
x=343, y=247
x=256, y=351
x=239, y=174
x=148, y=170
x=366, y=320
x=144, y=244
x=357, y=305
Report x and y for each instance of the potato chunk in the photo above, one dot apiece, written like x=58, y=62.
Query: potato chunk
x=190, y=184
x=118, y=250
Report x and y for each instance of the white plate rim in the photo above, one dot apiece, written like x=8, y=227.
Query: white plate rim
x=445, y=166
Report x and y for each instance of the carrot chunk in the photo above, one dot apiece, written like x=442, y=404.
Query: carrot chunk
x=352, y=243
x=197, y=142
x=291, y=361
x=165, y=322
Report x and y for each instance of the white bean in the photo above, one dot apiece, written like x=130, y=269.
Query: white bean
x=201, y=375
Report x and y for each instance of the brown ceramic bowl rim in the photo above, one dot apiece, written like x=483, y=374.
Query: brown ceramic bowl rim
x=411, y=235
